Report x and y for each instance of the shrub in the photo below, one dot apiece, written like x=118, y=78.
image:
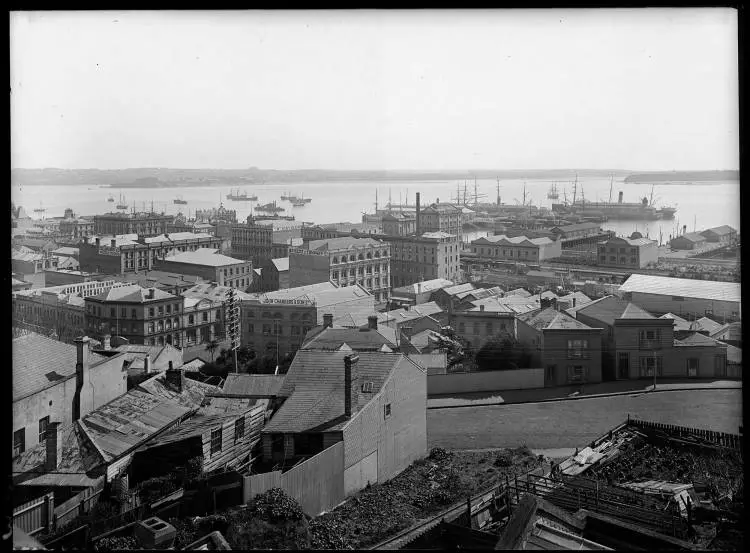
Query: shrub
x=194, y=468
x=276, y=506
x=439, y=454
x=504, y=459
x=252, y=533
x=116, y=544
x=327, y=535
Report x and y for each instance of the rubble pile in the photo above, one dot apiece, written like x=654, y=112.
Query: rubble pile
x=422, y=490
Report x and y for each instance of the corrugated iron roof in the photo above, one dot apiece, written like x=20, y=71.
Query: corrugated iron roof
x=261, y=385
x=204, y=256
x=552, y=319
x=683, y=287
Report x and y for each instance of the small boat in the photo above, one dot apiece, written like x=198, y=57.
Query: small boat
x=286, y=196
x=237, y=197
x=299, y=202
x=110, y=198
x=122, y=204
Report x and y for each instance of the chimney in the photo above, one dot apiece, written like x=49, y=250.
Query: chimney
x=106, y=344
x=53, y=443
x=147, y=364
x=372, y=322
x=113, y=243
x=574, y=302
x=82, y=367
x=417, y=214
x=481, y=307
x=150, y=294
x=351, y=384
x=619, y=197
x=175, y=378
x=327, y=320
x=98, y=240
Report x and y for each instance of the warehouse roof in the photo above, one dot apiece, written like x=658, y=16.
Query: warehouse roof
x=683, y=287
x=204, y=256
x=343, y=243
x=281, y=263
x=502, y=239
x=132, y=293
x=720, y=230
x=423, y=287
x=552, y=319
x=692, y=237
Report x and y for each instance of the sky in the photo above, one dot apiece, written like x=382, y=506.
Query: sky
x=639, y=89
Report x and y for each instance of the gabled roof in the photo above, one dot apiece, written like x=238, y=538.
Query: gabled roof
x=610, y=308
x=314, y=387
x=204, y=256
x=480, y=293
x=721, y=230
x=704, y=323
x=40, y=363
x=518, y=292
x=691, y=237
x=679, y=323
x=503, y=240
x=343, y=243
x=684, y=287
x=257, y=385
x=552, y=319
x=196, y=426
x=281, y=263
x=698, y=339
x=415, y=312
x=132, y=293
x=423, y=287
x=191, y=396
x=458, y=288
x=358, y=339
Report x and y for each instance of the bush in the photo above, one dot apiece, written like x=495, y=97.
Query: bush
x=504, y=459
x=194, y=468
x=276, y=506
x=116, y=544
x=157, y=487
x=255, y=533
x=439, y=454
x=326, y=535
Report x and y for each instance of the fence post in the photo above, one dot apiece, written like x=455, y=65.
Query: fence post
x=597, y=492
x=516, y=481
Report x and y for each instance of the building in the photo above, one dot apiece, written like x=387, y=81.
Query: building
x=58, y=382
x=262, y=240
x=513, y=303
x=26, y=263
x=480, y=325
x=518, y=248
x=412, y=318
x=449, y=298
x=37, y=245
x=18, y=285
x=688, y=298
x=140, y=360
x=569, y=351
x=627, y=253
x=143, y=224
x=419, y=292
x=723, y=234
x=275, y=323
x=577, y=230
x=210, y=266
x=375, y=403
x=76, y=228
x=429, y=256
x=140, y=315
x=440, y=217
x=171, y=282
x=274, y=275
x=688, y=241
x=129, y=253
x=371, y=337
x=345, y=262
x=399, y=224
x=60, y=277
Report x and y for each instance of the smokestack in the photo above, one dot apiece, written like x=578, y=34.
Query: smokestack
x=574, y=302
x=175, y=378
x=150, y=294
x=113, y=243
x=417, y=214
x=351, y=384
x=327, y=320
x=98, y=240
x=619, y=197
x=684, y=229
x=53, y=443
x=372, y=322
x=82, y=367
x=106, y=342
x=147, y=364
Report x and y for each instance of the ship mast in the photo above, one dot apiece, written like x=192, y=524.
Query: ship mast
x=498, y=191
x=575, y=189
x=611, y=182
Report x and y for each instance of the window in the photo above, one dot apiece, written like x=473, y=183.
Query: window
x=367, y=387
x=239, y=429
x=123, y=312
x=386, y=410
x=169, y=308
x=161, y=310
x=577, y=349
x=647, y=366
x=215, y=441
x=205, y=316
x=550, y=372
x=112, y=312
x=43, y=425
x=19, y=441
x=150, y=311
x=576, y=373
x=133, y=314
x=266, y=330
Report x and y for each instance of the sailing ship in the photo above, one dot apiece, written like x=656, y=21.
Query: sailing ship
x=269, y=208
x=298, y=202
x=237, y=197
x=179, y=200
x=122, y=204
x=39, y=209
x=286, y=196
x=552, y=194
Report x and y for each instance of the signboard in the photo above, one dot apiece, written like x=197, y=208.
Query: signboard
x=109, y=250
x=287, y=301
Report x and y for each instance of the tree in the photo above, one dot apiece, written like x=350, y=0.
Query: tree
x=502, y=354
x=211, y=348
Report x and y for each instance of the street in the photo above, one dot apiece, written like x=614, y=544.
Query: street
x=568, y=424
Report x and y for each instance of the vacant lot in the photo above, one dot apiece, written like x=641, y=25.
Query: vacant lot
x=575, y=423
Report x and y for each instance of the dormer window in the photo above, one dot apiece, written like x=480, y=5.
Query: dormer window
x=367, y=387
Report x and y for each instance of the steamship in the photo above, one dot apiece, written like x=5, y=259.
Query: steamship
x=638, y=211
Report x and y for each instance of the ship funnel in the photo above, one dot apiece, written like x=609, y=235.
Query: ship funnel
x=619, y=197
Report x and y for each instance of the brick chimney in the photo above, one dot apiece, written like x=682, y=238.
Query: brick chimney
x=82, y=367
x=327, y=320
x=418, y=215
x=53, y=443
x=113, y=243
x=98, y=242
x=372, y=322
x=351, y=384
x=481, y=307
x=175, y=378
x=150, y=294
x=106, y=342
x=147, y=364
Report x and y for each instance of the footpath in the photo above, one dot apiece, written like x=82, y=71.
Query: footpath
x=578, y=392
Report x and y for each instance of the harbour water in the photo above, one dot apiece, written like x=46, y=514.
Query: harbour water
x=699, y=206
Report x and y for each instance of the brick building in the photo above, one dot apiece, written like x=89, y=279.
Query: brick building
x=628, y=253
x=263, y=240
x=478, y=326
x=211, y=266
x=517, y=248
x=375, y=403
x=399, y=224
x=345, y=261
x=430, y=256
x=75, y=228
x=441, y=217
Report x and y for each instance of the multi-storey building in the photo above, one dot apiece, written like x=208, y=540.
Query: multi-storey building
x=263, y=240
x=75, y=228
x=628, y=253
x=399, y=224
x=480, y=326
x=518, y=248
x=345, y=261
x=143, y=224
x=429, y=256
x=441, y=217
x=723, y=235
x=129, y=254
x=141, y=315
x=278, y=321
x=211, y=266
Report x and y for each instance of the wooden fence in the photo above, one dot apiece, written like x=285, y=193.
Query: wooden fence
x=317, y=483
x=35, y=515
x=722, y=439
x=75, y=506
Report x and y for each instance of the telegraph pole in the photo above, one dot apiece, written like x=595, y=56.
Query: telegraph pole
x=233, y=316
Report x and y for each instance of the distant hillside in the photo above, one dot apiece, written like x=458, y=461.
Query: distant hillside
x=681, y=177
x=160, y=177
